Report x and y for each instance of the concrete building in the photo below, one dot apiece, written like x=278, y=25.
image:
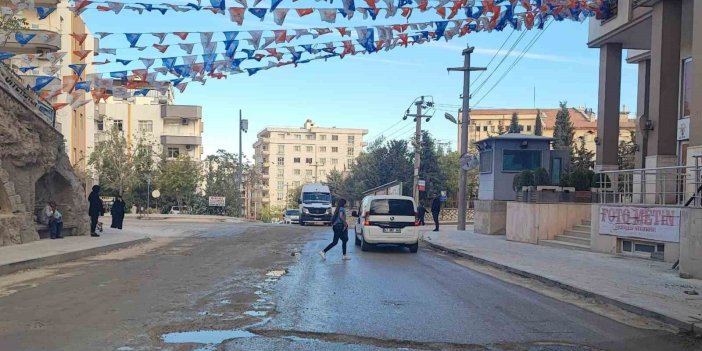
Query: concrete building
x=176, y=129
x=485, y=123
x=53, y=34
x=290, y=157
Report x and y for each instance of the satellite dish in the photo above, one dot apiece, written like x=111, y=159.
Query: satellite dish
x=156, y=194
x=469, y=162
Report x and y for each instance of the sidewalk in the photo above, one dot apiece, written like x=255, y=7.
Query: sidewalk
x=45, y=252
x=644, y=287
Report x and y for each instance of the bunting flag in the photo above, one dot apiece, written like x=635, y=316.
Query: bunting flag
x=81, y=54
x=304, y=12
x=23, y=39
x=6, y=55
x=328, y=15
x=123, y=61
x=187, y=47
x=107, y=51
x=181, y=35
x=102, y=62
x=258, y=12
x=132, y=38
x=44, y=12
x=161, y=48
x=168, y=62
x=79, y=37
x=41, y=82
x=83, y=86
x=77, y=68
x=206, y=37
x=103, y=35
x=148, y=62
x=27, y=69
x=279, y=16
x=161, y=37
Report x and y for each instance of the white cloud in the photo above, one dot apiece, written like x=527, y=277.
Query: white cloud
x=533, y=56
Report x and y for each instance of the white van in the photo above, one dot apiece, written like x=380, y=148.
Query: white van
x=315, y=204
x=387, y=219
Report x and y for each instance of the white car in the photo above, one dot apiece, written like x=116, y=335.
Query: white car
x=387, y=219
x=291, y=216
x=179, y=210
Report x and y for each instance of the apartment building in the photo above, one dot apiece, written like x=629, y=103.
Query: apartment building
x=53, y=34
x=176, y=129
x=289, y=157
x=485, y=123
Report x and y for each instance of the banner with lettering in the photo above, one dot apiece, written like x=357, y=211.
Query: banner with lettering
x=650, y=223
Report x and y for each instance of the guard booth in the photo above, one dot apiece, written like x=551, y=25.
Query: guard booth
x=501, y=158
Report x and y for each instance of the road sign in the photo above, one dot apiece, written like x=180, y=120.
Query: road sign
x=156, y=194
x=443, y=197
x=469, y=162
x=217, y=201
x=422, y=185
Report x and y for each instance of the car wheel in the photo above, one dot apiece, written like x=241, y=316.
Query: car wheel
x=358, y=241
x=365, y=246
x=414, y=247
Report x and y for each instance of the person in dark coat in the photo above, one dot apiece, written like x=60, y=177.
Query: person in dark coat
x=117, y=211
x=435, y=210
x=421, y=213
x=95, y=210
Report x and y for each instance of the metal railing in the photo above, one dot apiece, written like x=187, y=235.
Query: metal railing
x=15, y=86
x=666, y=186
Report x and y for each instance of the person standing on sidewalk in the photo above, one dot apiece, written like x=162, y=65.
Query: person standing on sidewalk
x=55, y=222
x=421, y=213
x=435, y=211
x=117, y=212
x=95, y=210
x=341, y=230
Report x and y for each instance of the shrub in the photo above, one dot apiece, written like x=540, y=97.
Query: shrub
x=541, y=177
x=525, y=178
x=601, y=181
x=581, y=179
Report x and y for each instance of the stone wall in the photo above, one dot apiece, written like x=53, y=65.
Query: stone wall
x=34, y=168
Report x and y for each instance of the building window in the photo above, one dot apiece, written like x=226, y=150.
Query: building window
x=334, y=161
x=298, y=136
x=173, y=152
x=686, y=93
x=310, y=149
x=281, y=149
x=308, y=172
x=492, y=129
x=486, y=162
x=335, y=149
x=297, y=148
x=485, y=128
x=281, y=185
x=528, y=128
x=100, y=125
x=322, y=149
x=296, y=172
x=296, y=183
x=296, y=160
x=281, y=136
x=309, y=136
x=308, y=160
x=335, y=138
x=521, y=128
x=322, y=137
x=280, y=196
x=323, y=161
x=322, y=172
x=281, y=161
x=349, y=151
x=146, y=126
x=349, y=162
x=352, y=139
x=520, y=160
x=281, y=173
x=118, y=123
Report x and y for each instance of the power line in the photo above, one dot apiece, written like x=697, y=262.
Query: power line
x=378, y=135
x=494, y=56
x=516, y=61
x=514, y=45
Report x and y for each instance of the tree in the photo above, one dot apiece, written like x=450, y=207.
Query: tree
x=10, y=24
x=337, y=184
x=221, y=175
x=429, y=169
x=500, y=127
x=563, y=132
x=450, y=164
x=514, y=124
x=179, y=179
x=583, y=159
x=294, y=197
x=626, y=152
x=539, y=127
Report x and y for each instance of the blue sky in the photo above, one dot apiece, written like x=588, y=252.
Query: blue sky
x=370, y=91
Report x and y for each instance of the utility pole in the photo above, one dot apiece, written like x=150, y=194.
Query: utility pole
x=243, y=127
x=465, y=122
x=419, y=103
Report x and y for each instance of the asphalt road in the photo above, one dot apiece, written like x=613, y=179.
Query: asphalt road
x=217, y=287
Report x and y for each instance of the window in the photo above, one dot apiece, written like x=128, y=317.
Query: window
x=146, y=126
x=280, y=196
x=264, y=147
x=521, y=128
x=335, y=149
x=486, y=161
x=322, y=172
x=118, y=123
x=528, y=128
x=322, y=149
x=297, y=148
x=334, y=161
x=281, y=173
x=281, y=185
x=296, y=160
x=349, y=162
x=686, y=92
x=308, y=172
x=281, y=135
x=173, y=152
x=100, y=125
x=335, y=138
x=492, y=129
x=485, y=128
x=520, y=160
x=296, y=183
x=308, y=160
x=352, y=139
x=296, y=172
x=349, y=151
x=309, y=137
x=281, y=161
x=556, y=167
x=322, y=161
x=281, y=149
x=298, y=136
x=309, y=149
x=642, y=248
x=392, y=207
x=322, y=137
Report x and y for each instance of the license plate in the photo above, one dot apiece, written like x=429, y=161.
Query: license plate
x=392, y=230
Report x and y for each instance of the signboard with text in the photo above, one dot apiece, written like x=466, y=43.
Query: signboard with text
x=652, y=223
x=217, y=201
x=422, y=185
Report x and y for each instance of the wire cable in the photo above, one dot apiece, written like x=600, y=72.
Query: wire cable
x=494, y=56
x=514, y=45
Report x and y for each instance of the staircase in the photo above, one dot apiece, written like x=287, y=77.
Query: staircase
x=577, y=238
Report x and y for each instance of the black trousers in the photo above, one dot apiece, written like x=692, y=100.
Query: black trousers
x=339, y=233
x=421, y=220
x=93, y=223
x=435, y=215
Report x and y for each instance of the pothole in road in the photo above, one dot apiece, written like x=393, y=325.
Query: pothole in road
x=256, y=313
x=207, y=337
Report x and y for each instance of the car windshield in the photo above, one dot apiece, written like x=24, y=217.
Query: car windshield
x=396, y=207
x=316, y=198
x=292, y=212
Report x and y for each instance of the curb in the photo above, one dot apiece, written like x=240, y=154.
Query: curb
x=683, y=326
x=66, y=256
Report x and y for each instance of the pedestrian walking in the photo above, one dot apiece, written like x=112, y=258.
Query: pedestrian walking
x=435, y=211
x=341, y=231
x=117, y=212
x=95, y=210
x=421, y=213
x=55, y=222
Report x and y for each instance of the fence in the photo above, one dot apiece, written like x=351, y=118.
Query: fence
x=671, y=186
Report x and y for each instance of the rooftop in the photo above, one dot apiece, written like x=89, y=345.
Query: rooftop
x=579, y=118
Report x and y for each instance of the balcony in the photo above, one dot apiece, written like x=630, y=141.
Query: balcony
x=181, y=111
x=38, y=43
x=181, y=140
x=630, y=25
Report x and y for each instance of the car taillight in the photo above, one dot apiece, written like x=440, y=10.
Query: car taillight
x=367, y=221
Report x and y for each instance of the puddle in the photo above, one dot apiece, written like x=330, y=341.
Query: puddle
x=259, y=292
x=270, y=280
x=205, y=336
x=276, y=274
x=206, y=313
x=225, y=302
x=299, y=339
x=256, y=313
